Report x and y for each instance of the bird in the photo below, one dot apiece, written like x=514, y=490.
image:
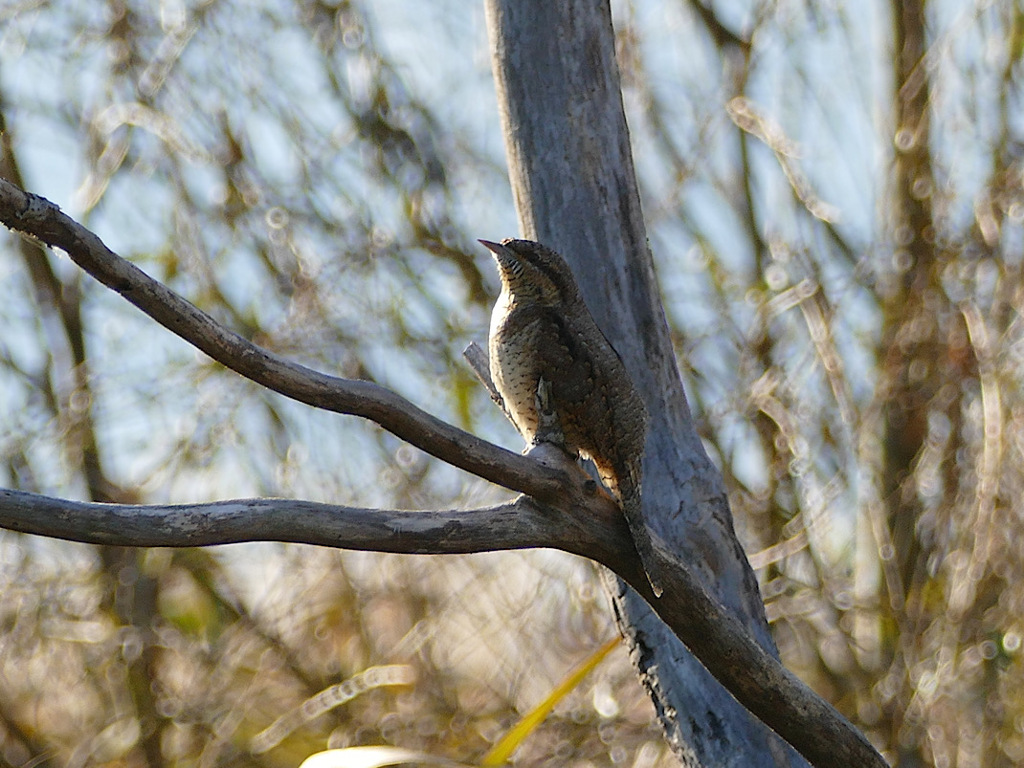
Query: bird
x=547, y=355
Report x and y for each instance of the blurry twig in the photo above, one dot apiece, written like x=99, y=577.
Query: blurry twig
x=327, y=699
x=749, y=119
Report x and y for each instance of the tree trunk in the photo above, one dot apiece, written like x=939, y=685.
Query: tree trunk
x=575, y=190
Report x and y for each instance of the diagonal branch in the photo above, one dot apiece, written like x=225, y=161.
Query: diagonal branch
x=35, y=216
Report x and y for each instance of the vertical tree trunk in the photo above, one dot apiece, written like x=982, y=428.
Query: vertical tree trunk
x=575, y=190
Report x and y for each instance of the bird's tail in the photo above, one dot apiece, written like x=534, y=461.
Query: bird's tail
x=627, y=492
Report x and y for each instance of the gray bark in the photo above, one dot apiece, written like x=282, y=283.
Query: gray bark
x=575, y=190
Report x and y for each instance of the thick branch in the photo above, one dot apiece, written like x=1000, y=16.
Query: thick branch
x=41, y=219
x=516, y=525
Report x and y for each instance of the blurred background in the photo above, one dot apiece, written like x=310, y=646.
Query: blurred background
x=833, y=192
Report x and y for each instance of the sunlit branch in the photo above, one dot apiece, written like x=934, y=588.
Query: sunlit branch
x=35, y=216
x=516, y=525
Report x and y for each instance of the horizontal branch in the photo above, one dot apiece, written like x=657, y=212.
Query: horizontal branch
x=39, y=218
x=585, y=522
x=516, y=525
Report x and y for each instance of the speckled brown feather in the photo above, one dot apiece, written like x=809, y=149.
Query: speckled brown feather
x=542, y=330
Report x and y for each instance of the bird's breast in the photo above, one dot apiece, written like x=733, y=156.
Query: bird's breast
x=513, y=352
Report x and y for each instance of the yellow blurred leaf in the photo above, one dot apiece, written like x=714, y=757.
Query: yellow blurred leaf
x=500, y=752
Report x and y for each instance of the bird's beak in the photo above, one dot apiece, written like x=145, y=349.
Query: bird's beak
x=507, y=259
x=501, y=253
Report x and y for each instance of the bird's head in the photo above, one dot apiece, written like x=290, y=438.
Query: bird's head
x=534, y=271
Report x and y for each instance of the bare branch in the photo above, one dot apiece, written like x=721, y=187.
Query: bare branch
x=516, y=525
x=44, y=221
x=476, y=357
